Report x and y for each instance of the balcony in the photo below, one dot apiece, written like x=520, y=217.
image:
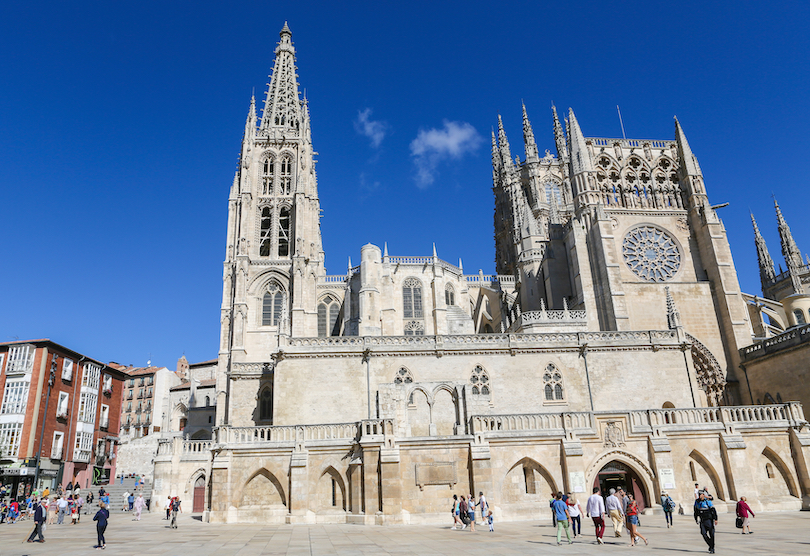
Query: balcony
x=82, y=456
x=129, y=396
x=140, y=395
x=56, y=454
x=61, y=415
x=149, y=393
x=104, y=424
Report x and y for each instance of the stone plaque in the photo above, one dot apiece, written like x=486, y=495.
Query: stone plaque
x=439, y=473
x=667, y=478
x=576, y=479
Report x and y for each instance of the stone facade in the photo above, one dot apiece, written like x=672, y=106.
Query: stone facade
x=604, y=351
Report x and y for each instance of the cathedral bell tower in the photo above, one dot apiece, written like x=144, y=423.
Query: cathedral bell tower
x=274, y=251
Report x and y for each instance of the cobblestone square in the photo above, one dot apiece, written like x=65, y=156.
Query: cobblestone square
x=774, y=533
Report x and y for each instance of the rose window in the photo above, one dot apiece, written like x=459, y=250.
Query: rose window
x=651, y=254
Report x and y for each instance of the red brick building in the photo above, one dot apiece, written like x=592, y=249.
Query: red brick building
x=59, y=416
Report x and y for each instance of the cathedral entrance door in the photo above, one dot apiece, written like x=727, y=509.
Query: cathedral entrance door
x=199, y=495
x=616, y=475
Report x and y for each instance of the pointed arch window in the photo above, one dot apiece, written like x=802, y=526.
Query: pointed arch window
x=412, y=298
x=268, y=171
x=266, y=404
x=449, y=295
x=286, y=175
x=284, y=232
x=479, y=379
x=272, y=305
x=414, y=328
x=552, y=191
x=553, y=384
x=266, y=232
x=404, y=376
x=328, y=311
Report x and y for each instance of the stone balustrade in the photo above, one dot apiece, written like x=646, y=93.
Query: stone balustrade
x=789, y=339
x=286, y=434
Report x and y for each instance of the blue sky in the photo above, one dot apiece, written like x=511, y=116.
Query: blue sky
x=120, y=126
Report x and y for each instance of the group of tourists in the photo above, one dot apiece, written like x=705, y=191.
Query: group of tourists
x=463, y=512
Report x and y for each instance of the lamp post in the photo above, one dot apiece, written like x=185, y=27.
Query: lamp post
x=51, y=380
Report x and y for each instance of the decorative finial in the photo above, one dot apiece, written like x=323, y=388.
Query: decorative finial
x=673, y=316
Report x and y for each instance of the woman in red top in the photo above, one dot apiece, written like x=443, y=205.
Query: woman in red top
x=632, y=521
x=743, y=509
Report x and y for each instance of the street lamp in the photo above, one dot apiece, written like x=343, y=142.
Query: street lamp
x=51, y=380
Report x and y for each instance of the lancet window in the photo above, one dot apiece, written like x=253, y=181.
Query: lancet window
x=449, y=295
x=266, y=404
x=284, y=232
x=412, y=298
x=479, y=379
x=328, y=310
x=286, y=176
x=266, y=232
x=268, y=171
x=272, y=305
x=553, y=383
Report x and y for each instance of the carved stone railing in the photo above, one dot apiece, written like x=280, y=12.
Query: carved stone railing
x=334, y=279
x=629, y=143
x=555, y=423
x=791, y=338
x=739, y=417
x=286, y=434
x=164, y=447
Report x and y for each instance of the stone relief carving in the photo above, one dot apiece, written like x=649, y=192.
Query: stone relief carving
x=614, y=435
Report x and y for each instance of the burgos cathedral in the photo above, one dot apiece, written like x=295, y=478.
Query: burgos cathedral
x=604, y=352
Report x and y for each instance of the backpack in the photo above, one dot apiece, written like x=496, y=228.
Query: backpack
x=669, y=505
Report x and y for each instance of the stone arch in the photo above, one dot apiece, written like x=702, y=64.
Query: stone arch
x=202, y=434
x=784, y=470
x=330, y=490
x=443, y=411
x=708, y=372
x=258, y=284
x=262, y=489
x=641, y=469
x=708, y=468
x=179, y=416
x=199, y=473
x=419, y=402
x=530, y=464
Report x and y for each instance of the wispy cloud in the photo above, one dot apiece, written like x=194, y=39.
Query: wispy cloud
x=373, y=129
x=433, y=146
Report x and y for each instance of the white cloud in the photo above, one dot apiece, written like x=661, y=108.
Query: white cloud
x=433, y=146
x=373, y=129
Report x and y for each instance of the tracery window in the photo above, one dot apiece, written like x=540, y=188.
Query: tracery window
x=284, y=232
x=449, y=295
x=552, y=191
x=412, y=298
x=286, y=175
x=268, y=170
x=266, y=232
x=328, y=311
x=553, y=384
x=480, y=381
x=651, y=254
x=414, y=328
x=799, y=316
x=404, y=376
x=272, y=305
x=266, y=404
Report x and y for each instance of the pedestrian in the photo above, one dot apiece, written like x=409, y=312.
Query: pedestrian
x=122, y=478
x=74, y=512
x=471, y=512
x=125, y=496
x=491, y=521
x=596, y=511
x=706, y=517
x=139, y=505
x=561, y=512
x=614, y=509
x=130, y=501
x=105, y=498
x=39, y=521
x=623, y=497
x=52, y=509
x=632, y=521
x=697, y=491
x=669, y=506
x=482, y=503
x=62, y=505
x=553, y=513
x=80, y=504
x=463, y=510
x=177, y=509
x=575, y=513
x=101, y=517
x=455, y=513
x=743, y=510
x=168, y=507
x=708, y=494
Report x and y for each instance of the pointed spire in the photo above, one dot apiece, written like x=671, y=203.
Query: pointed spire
x=385, y=250
x=528, y=138
x=250, y=132
x=559, y=136
x=434, y=251
x=350, y=263
x=496, y=159
x=689, y=163
x=673, y=316
x=766, y=271
x=460, y=265
x=790, y=251
x=580, y=157
x=282, y=106
x=503, y=142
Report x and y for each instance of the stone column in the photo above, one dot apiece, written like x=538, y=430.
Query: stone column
x=800, y=448
x=391, y=483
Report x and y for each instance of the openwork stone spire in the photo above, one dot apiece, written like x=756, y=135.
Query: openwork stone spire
x=580, y=158
x=496, y=158
x=766, y=270
x=790, y=251
x=506, y=153
x=688, y=161
x=528, y=138
x=673, y=316
x=559, y=136
x=282, y=106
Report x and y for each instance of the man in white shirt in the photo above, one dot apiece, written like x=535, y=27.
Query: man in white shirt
x=614, y=510
x=61, y=505
x=595, y=509
x=482, y=503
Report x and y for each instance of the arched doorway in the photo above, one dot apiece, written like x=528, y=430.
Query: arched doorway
x=616, y=474
x=199, y=495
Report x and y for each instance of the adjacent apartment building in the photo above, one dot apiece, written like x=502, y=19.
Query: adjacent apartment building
x=59, y=416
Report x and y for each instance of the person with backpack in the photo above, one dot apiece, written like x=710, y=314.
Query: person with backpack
x=101, y=517
x=175, y=509
x=463, y=510
x=706, y=517
x=669, y=506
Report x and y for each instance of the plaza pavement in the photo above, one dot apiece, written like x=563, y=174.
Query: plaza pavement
x=774, y=533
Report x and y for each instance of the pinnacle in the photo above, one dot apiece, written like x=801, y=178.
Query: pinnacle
x=285, y=29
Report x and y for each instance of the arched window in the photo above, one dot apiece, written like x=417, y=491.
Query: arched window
x=266, y=404
x=799, y=316
x=286, y=175
x=488, y=329
x=552, y=191
x=272, y=305
x=553, y=384
x=404, y=376
x=412, y=298
x=268, y=169
x=414, y=328
x=328, y=310
x=449, y=295
x=284, y=232
x=480, y=381
x=769, y=470
x=266, y=233
x=207, y=401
